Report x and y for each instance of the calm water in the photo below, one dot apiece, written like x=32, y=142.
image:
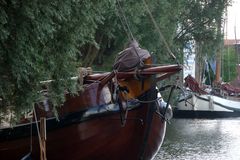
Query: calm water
x=201, y=139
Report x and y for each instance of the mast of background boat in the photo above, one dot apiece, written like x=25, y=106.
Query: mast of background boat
x=218, y=51
x=218, y=55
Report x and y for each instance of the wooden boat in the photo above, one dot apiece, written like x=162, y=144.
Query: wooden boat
x=116, y=116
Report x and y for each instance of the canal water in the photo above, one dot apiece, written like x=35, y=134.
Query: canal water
x=201, y=139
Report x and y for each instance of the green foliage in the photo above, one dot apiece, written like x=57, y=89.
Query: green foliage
x=199, y=19
x=229, y=63
x=117, y=34
x=39, y=41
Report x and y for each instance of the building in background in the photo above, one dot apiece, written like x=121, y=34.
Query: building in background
x=189, y=65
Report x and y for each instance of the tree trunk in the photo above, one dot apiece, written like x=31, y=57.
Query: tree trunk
x=198, y=63
x=92, y=52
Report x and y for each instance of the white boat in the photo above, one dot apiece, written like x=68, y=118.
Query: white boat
x=194, y=105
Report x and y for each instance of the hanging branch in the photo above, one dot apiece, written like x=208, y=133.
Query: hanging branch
x=159, y=31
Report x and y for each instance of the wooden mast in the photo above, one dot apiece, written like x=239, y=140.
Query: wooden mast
x=218, y=66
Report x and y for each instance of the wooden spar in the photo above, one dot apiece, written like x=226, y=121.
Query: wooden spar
x=218, y=54
x=147, y=71
x=104, y=77
x=107, y=78
x=43, y=138
x=151, y=71
x=218, y=67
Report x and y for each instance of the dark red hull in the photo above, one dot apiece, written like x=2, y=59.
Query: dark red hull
x=101, y=136
x=95, y=125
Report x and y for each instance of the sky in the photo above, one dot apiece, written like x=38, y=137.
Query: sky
x=232, y=20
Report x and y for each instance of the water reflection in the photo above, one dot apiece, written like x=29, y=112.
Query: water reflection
x=201, y=139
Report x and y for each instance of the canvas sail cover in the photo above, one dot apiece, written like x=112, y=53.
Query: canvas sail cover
x=193, y=85
x=230, y=89
x=130, y=59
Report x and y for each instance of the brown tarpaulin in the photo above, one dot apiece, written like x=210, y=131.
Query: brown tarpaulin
x=130, y=58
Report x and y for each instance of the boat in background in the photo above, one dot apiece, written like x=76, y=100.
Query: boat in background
x=118, y=115
x=195, y=102
x=217, y=101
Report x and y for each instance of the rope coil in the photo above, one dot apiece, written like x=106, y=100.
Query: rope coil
x=83, y=72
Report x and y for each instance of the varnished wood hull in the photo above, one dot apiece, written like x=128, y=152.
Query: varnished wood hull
x=94, y=136
x=113, y=118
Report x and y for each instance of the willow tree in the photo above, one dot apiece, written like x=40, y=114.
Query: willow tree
x=200, y=22
x=39, y=40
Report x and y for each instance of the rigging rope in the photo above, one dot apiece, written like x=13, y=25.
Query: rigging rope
x=125, y=20
x=127, y=28
x=124, y=28
x=41, y=145
x=159, y=31
x=31, y=134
